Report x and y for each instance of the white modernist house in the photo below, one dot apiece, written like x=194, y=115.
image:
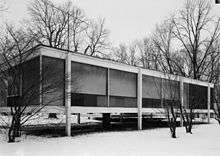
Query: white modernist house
x=95, y=85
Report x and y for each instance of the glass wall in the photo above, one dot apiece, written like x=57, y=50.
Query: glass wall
x=118, y=101
x=23, y=83
x=197, y=96
x=14, y=86
x=53, y=75
x=31, y=82
x=89, y=100
x=212, y=99
x=90, y=88
x=158, y=92
x=151, y=92
x=3, y=93
x=186, y=95
x=88, y=85
x=122, y=89
x=171, y=89
x=122, y=83
x=171, y=92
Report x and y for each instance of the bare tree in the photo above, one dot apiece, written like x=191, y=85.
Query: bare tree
x=149, y=55
x=185, y=44
x=48, y=23
x=196, y=99
x=21, y=80
x=132, y=57
x=11, y=47
x=194, y=30
x=168, y=88
x=127, y=54
x=217, y=112
x=187, y=117
x=170, y=60
x=162, y=39
x=56, y=25
x=120, y=54
x=212, y=63
x=216, y=97
x=78, y=26
x=96, y=38
x=171, y=101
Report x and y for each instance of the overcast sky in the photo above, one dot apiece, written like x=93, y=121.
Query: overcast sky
x=126, y=19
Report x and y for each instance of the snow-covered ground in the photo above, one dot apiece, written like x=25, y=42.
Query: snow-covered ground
x=205, y=141
x=42, y=118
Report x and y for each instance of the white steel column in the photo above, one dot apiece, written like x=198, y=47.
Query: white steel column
x=161, y=93
x=181, y=100
x=139, y=98
x=108, y=87
x=208, y=102
x=68, y=94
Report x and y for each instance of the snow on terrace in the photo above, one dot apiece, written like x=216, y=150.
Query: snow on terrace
x=204, y=141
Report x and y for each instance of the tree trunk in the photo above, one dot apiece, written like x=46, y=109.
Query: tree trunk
x=11, y=137
x=189, y=125
x=17, y=127
x=174, y=133
x=11, y=132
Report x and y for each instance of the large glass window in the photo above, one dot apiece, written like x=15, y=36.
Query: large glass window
x=171, y=89
x=171, y=93
x=151, y=103
x=151, y=87
x=117, y=101
x=31, y=82
x=151, y=92
x=23, y=83
x=53, y=73
x=3, y=93
x=88, y=79
x=197, y=96
x=123, y=84
x=89, y=100
x=88, y=85
x=212, y=99
x=154, y=89
x=123, y=89
x=186, y=95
